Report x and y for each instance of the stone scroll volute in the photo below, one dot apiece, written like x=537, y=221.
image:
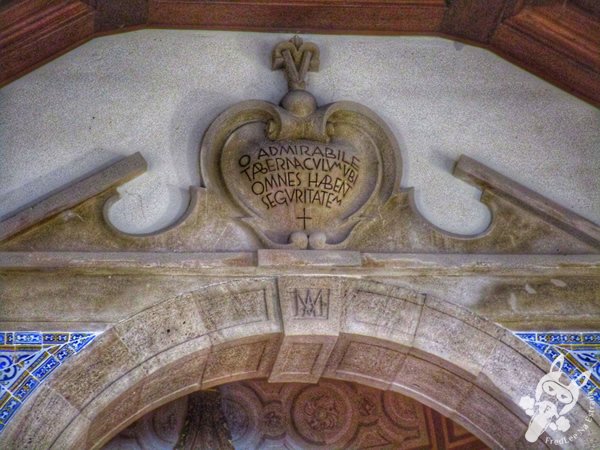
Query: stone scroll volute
x=301, y=176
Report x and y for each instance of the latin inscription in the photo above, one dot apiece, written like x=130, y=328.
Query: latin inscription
x=307, y=173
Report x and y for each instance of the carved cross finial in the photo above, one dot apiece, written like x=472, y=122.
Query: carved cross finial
x=296, y=57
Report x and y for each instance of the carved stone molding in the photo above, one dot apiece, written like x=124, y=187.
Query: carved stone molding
x=302, y=175
x=311, y=316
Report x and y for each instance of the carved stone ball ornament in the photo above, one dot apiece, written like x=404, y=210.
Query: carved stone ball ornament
x=302, y=175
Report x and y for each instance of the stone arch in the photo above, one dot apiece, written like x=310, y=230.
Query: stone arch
x=381, y=335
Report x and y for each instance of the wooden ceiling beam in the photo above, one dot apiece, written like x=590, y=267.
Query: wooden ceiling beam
x=477, y=20
x=364, y=16
x=557, y=41
x=34, y=31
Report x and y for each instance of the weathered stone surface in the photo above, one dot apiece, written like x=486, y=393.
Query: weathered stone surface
x=523, y=349
x=107, y=179
x=380, y=310
x=241, y=359
x=478, y=174
x=164, y=326
x=365, y=360
x=444, y=329
x=521, y=294
x=310, y=306
x=432, y=370
x=431, y=384
x=74, y=436
x=311, y=311
x=40, y=433
x=93, y=371
x=113, y=417
x=308, y=258
x=497, y=426
x=149, y=389
x=513, y=230
x=84, y=228
x=302, y=358
x=168, y=375
x=534, y=302
x=128, y=386
x=174, y=374
x=239, y=309
x=510, y=376
x=85, y=301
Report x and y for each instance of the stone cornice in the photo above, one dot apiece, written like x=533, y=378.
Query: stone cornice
x=310, y=262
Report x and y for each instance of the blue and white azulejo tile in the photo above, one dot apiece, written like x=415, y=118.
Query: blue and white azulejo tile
x=26, y=360
x=580, y=349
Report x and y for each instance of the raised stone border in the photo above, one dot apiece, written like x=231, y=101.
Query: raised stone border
x=73, y=194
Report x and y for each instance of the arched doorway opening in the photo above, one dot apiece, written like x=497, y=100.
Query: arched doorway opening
x=329, y=414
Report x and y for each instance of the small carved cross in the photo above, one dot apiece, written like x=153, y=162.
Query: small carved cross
x=304, y=218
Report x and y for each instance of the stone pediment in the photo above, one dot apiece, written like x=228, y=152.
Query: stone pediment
x=343, y=194
x=299, y=176
x=74, y=219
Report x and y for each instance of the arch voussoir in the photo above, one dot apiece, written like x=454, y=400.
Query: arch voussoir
x=290, y=329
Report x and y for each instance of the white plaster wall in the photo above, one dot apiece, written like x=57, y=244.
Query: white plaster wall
x=156, y=91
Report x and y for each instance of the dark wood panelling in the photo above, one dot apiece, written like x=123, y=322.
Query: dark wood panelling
x=477, y=19
x=591, y=6
x=367, y=16
x=33, y=31
x=557, y=40
x=564, y=28
x=114, y=15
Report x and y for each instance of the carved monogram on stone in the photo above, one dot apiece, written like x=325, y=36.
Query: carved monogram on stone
x=311, y=303
x=303, y=176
